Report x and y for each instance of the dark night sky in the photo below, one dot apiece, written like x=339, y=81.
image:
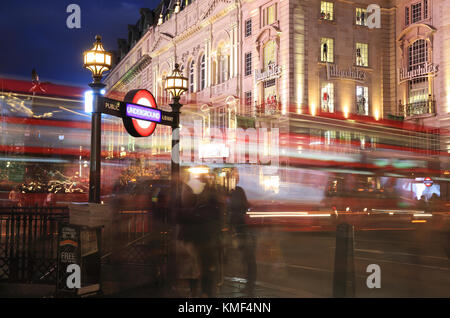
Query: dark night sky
x=34, y=35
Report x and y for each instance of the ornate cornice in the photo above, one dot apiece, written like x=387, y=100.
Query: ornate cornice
x=134, y=70
x=415, y=26
x=212, y=6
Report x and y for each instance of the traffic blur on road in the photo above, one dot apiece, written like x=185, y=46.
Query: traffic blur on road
x=270, y=201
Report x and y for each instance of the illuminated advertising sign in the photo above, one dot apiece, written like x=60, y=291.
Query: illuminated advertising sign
x=273, y=71
x=424, y=70
x=352, y=73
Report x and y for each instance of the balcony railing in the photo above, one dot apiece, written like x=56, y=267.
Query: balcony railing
x=426, y=107
x=420, y=108
x=268, y=109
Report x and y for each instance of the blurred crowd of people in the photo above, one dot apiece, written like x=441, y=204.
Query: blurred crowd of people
x=208, y=213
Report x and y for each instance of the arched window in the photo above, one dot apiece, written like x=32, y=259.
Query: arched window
x=191, y=76
x=223, y=71
x=214, y=73
x=417, y=54
x=418, y=89
x=270, y=54
x=202, y=72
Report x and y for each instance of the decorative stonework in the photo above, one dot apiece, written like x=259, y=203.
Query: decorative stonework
x=184, y=57
x=212, y=6
x=134, y=70
x=195, y=50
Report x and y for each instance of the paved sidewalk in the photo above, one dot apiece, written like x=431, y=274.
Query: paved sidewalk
x=11, y=290
x=232, y=287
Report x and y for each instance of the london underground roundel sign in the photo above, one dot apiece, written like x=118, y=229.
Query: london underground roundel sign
x=428, y=182
x=137, y=127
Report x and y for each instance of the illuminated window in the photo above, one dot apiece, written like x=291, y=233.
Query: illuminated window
x=326, y=10
x=326, y=50
x=270, y=15
x=191, y=77
x=361, y=16
x=248, y=27
x=418, y=87
x=330, y=137
x=327, y=97
x=362, y=54
x=223, y=66
x=416, y=12
x=418, y=93
x=362, y=100
x=248, y=64
x=270, y=54
x=202, y=73
x=345, y=137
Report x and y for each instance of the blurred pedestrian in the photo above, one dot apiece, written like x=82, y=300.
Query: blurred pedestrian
x=434, y=203
x=200, y=230
x=422, y=204
x=188, y=267
x=238, y=207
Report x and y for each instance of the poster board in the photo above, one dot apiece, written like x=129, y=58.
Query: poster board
x=78, y=245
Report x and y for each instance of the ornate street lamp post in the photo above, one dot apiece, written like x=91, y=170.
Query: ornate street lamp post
x=176, y=84
x=98, y=61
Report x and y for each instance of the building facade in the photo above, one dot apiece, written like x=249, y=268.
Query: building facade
x=262, y=63
x=423, y=64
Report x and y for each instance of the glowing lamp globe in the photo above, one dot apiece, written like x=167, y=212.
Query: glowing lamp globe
x=176, y=84
x=97, y=60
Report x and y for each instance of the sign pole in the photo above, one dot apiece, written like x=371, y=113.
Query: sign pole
x=175, y=177
x=132, y=115
x=95, y=160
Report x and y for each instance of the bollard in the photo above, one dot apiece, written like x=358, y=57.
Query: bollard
x=344, y=272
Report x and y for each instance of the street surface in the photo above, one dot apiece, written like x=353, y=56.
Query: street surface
x=413, y=262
